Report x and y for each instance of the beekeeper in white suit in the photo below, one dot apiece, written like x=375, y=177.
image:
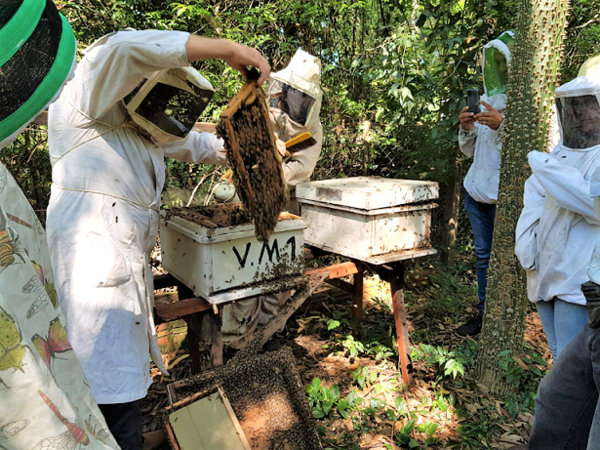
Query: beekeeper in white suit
x=294, y=96
x=131, y=103
x=558, y=226
x=45, y=400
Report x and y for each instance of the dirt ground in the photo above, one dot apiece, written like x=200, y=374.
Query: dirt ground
x=440, y=411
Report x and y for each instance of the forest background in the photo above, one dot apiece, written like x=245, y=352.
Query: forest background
x=395, y=75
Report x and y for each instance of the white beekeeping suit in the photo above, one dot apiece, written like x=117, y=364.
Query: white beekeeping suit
x=45, y=400
x=295, y=97
x=558, y=226
x=108, y=174
x=481, y=142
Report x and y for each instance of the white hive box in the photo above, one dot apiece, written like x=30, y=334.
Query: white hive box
x=372, y=219
x=229, y=263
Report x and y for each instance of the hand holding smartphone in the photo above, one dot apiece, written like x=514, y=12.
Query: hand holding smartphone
x=473, y=101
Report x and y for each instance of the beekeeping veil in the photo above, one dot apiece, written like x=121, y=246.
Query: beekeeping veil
x=37, y=56
x=296, y=89
x=496, y=63
x=168, y=103
x=591, y=68
x=578, y=106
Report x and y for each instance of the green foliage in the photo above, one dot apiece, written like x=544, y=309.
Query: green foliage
x=450, y=362
x=322, y=399
x=523, y=374
x=395, y=73
x=325, y=401
x=362, y=376
x=352, y=346
x=583, y=34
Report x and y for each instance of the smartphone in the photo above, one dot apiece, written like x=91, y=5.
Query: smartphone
x=473, y=101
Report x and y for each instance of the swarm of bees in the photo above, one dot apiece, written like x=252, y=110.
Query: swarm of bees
x=254, y=159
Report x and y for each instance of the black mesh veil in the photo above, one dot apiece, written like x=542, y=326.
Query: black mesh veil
x=8, y=8
x=21, y=75
x=171, y=109
x=295, y=103
x=579, y=121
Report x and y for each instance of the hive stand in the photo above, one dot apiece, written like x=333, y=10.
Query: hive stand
x=204, y=319
x=204, y=324
x=392, y=272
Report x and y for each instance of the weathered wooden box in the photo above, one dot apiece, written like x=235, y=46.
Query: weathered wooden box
x=368, y=218
x=227, y=263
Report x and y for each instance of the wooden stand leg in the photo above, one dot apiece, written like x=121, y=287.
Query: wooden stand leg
x=216, y=349
x=194, y=338
x=397, y=285
x=357, y=295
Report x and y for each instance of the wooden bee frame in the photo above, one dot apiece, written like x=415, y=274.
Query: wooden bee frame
x=265, y=393
x=216, y=392
x=253, y=156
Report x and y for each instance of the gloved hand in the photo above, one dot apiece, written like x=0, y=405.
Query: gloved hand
x=281, y=147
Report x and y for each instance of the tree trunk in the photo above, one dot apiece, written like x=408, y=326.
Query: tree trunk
x=535, y=64
x=451, y=211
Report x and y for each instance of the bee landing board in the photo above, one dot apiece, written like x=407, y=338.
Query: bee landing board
x=371, y=219
x=252, y=154
x=227, y=263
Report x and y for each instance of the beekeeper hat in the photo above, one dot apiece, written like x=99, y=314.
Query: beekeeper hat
x=495, y=75
x=578, y=106
x=591, y=68
x=36, y=57
x=182, y=93
x=303, y=73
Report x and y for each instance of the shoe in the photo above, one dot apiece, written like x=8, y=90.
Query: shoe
x=154, y=439
x=472, y=327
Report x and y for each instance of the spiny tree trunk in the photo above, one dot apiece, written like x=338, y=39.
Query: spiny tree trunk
x=451, y=212
x=536, y=54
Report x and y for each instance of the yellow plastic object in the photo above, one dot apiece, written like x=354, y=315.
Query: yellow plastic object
x=300, y=138
x=228, y=175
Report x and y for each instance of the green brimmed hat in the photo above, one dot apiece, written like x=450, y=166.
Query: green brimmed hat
x=36, y=57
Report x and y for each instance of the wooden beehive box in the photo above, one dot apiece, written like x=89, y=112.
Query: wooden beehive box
x=224, y=263
x=368, y=218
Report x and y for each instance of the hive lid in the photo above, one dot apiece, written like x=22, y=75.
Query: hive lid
x=368, y=193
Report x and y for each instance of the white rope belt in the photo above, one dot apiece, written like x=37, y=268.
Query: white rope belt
x=110, y=128
x=153, y=208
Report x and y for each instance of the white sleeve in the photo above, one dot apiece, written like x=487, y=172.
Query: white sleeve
x=595, y=190
x=110, y=71
x=526, y=231
x=467, y=140
x=554, y=136
x=301, y=165
x=565, y=184
x=198, y=148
